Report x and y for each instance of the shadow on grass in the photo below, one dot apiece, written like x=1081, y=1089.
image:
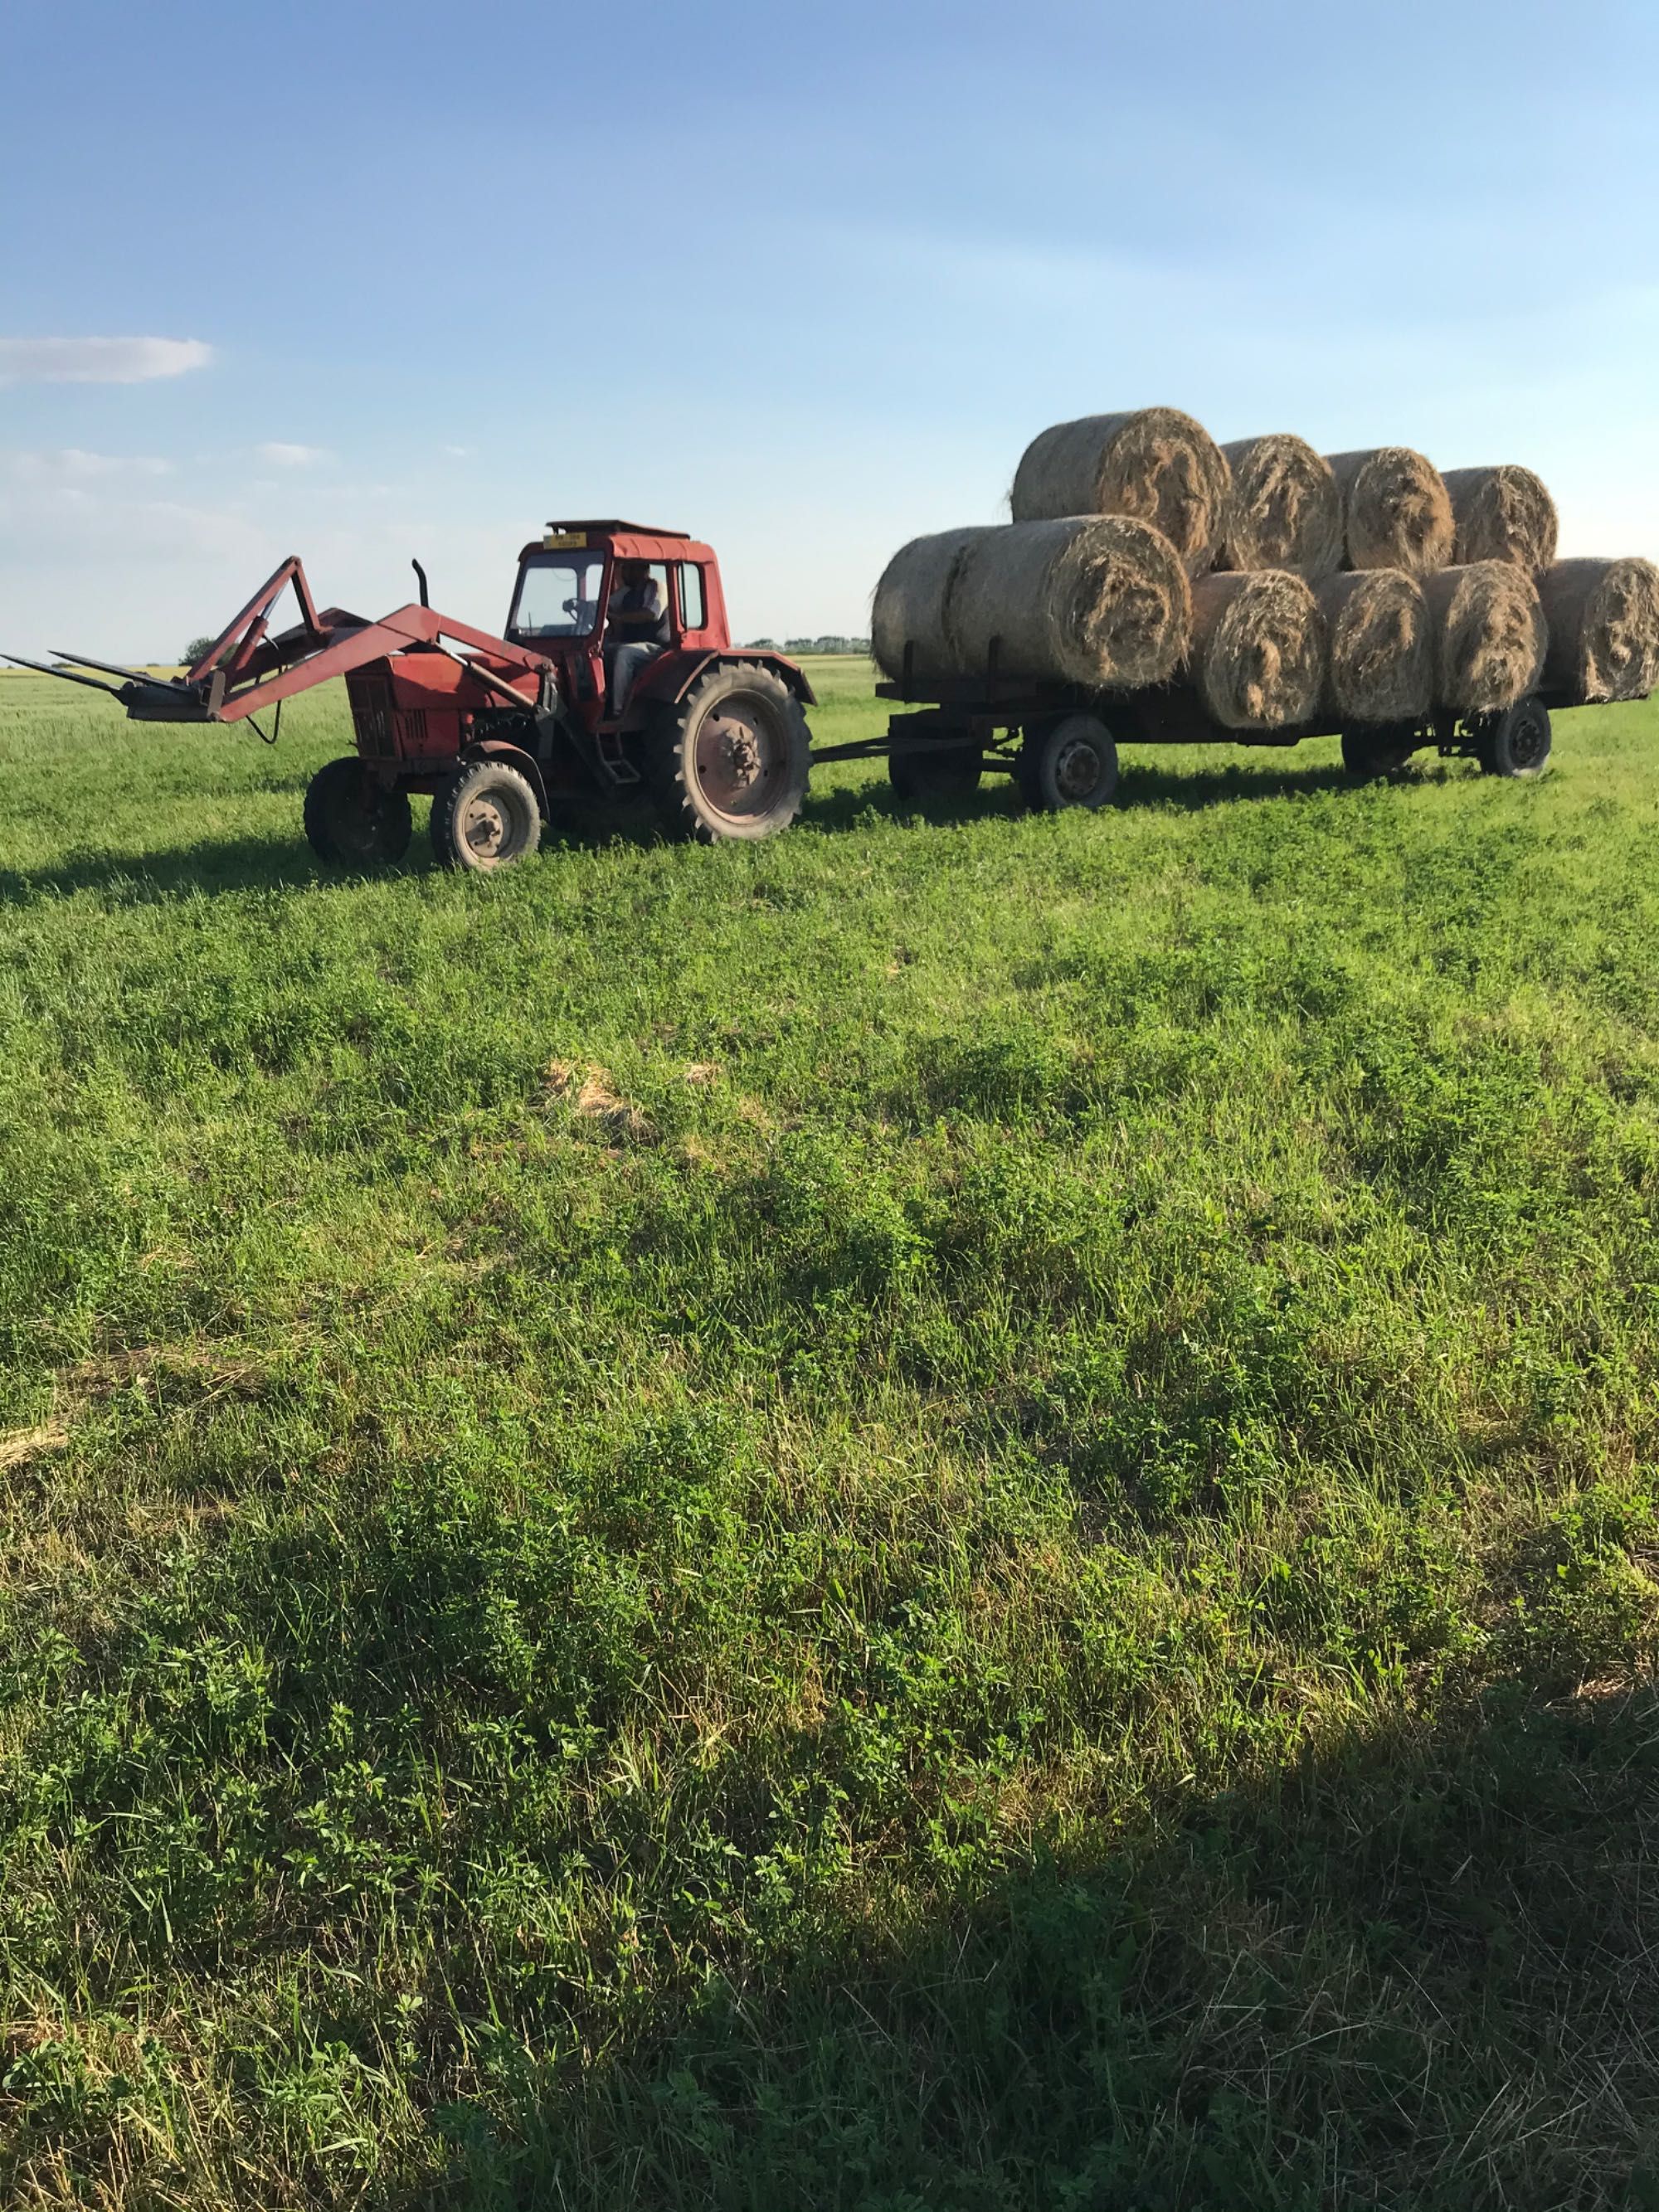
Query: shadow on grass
x=1417, y=1974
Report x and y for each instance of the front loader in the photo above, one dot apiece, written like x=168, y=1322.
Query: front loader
x=507, y=733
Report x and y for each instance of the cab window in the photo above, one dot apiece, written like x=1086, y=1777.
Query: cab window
x=557, y=596
x=691, y=608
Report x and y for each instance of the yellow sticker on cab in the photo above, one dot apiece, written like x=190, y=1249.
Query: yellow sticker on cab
x=564, y=541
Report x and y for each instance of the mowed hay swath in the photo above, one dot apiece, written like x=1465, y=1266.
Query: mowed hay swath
x=1603, y=619
x=1381, y=647
x=1155, y=464
x=1503, y=513
x=1490, y=636
x=1284, y=510
x=1396, y=513
x=1092, y=600
x=1258, y=653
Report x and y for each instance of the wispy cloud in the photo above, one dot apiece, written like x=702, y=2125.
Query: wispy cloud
x=282, y=456
x=73, y=464
x=99, y=361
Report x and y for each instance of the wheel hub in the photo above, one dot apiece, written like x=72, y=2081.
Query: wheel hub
x=484, y=828
x=1077, y=769
x=733, y=761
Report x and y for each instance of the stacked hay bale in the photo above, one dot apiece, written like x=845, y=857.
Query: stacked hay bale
x=1286, y=591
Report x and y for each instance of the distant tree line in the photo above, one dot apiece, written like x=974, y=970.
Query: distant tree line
x=798, y=645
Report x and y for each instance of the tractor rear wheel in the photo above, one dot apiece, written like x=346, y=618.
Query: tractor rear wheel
x=730, y=760
x=352, y=822
x=485, y=817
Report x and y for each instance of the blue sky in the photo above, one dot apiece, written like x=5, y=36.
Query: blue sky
x=802, y=280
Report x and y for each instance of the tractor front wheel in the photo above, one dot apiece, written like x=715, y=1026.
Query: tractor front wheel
x=352, y=822
x=730, y=760
x=485, y=817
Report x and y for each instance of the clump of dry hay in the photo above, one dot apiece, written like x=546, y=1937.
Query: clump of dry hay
x=1258, y=653
x=1604, y=628
x=1395, y=510
x=1502, y=513
x=1489, y=636
x=1285, y=510
x=1098, y=600
x=1155, y=464
x=1381, y=646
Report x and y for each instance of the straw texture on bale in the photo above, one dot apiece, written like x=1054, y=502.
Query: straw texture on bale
x=1489, y=636
x=1285, y=510
x=1155, y=464
x=1395, y=510
x=1604, y=628
x=1098, y=600
x=1381, y=646
x=1258, y=655
x=1502, y=514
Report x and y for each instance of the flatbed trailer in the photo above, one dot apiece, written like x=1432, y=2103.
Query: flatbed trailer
x=1059, y=741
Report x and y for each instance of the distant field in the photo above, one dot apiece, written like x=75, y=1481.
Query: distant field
x=955, y=1512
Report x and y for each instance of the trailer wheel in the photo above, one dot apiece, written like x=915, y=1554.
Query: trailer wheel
x=352, y=822
x=485, y=817
x=1516, y=741
x=1072, y=761
x=922, y=774
x=1369, y=753
x=730, y=760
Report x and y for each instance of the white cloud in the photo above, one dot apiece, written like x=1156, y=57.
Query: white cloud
x=282, y=456
x=99, y=361
x=71, y=465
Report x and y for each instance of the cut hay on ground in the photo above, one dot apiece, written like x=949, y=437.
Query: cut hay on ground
x=1258, y=656
x=1156, y=465
x=1503, y=513
x=1395, y=510
x=1285, y=510
x=1093, y=600
x=1489, y=636
x=1382, y=647
x=1604, y=628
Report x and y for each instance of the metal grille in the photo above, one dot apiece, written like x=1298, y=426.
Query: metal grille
x=371, y=716
x=412, y=729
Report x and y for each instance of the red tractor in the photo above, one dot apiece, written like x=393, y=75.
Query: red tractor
x=507, y=732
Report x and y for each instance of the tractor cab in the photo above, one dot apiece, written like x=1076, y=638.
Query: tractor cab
x=570, y=582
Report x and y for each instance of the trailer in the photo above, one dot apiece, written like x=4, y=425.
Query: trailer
x=1059, y=741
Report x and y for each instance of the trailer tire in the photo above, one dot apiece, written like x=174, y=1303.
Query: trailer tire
x=924, y=775
x=352, y=822
x=1070, y=762
x=1516, y=741
x=730, y=760
x=1370, y=753
x=486, y=817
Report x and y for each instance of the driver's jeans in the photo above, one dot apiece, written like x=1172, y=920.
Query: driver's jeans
x=626, y=662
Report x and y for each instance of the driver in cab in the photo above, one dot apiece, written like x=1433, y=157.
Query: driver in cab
x=635, y=627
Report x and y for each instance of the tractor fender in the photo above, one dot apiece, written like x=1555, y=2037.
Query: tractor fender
x=499, y=749
x=677, y=679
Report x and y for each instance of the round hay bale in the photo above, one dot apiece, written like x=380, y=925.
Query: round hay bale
x=1502, y=513
x=1490, y=636
x=1258, y=652
x=1381, y=646
x=1155, y=464
x=1098, y=600
x=1285, y=511
x=1395, y=512
x=1604, y=628
x=912, y=603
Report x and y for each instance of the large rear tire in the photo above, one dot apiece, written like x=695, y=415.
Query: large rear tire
x=353, y=822
x=485, y=817
x=730, y=760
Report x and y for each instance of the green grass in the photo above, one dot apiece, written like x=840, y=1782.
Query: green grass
x=953, y=1512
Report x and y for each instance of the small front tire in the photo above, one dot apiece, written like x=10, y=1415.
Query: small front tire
x=1516, y=741
x=1072, y=761
x=485, y=817
x=353, y=822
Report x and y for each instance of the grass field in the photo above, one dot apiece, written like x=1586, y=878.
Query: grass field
x=955, y=1512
